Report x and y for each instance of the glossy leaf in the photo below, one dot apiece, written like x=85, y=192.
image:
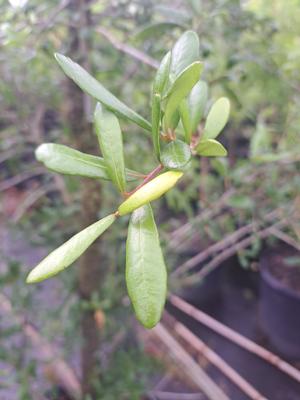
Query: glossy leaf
x=65, y=160
x=146, y=275
x=150, y=191
x=180, y=89
x=162, y=75
x=176, y=155
x=67, y=253
x=211, y=148
x=186, y=120
x=184, y=52
x=111, y=144
x=217, y=118
x=94, y=88
x=196, y=104
x=156, y=113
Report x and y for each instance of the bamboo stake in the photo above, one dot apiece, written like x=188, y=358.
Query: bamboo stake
x=217, y=361
x=235, y=337
x=189, y=366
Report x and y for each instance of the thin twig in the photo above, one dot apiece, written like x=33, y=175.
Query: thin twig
x=60, y=370
x=178, y=234
x=235, y=337
x=127, y=49
x=30, y=200
x=229, y=252
x=217, y=361
x=15, y=180
x=148, y=178
x=229, y=240
x=285, y=238
x=188, y=365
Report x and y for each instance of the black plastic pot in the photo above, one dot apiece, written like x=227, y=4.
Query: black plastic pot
x=279, y=311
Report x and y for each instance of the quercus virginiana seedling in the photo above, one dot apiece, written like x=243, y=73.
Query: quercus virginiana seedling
x=179, y=99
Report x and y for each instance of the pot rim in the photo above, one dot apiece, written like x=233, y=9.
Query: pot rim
x=273, y=281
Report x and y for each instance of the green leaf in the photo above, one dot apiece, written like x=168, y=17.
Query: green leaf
x=146, y=275
x=176, y=155
x=196, y=104
x=162, y=75
x=185, y=119
x=67, y=253
x=94, y=88
x=150, y=191
x=180, y=89
x=184, y=53
x=111, y=144
x=153, y=30
x=156, y=112
x=217, y=118
x=68, y=161
x=211, y=148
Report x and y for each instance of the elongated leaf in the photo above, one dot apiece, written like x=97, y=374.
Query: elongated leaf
x=111, y=144
x=196, y=103
x=211, y=148
x=162, y=75
x=186, y=120
x=176, y=155
x=150, y=191
x=153, y=30
x=180, y=89
x=217, y=118
x=146, y=275
x=67, y=253
x=156, y=112
x=65, y=160
x=94, y=88
x=184, y=53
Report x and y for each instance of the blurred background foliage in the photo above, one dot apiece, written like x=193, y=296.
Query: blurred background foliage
x=251, y=51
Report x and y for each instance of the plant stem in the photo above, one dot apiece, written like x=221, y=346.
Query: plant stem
x=147, y=179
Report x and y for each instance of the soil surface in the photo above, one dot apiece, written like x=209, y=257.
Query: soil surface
x=284, y=264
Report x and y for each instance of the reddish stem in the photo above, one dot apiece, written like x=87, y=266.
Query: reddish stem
x=148, y=178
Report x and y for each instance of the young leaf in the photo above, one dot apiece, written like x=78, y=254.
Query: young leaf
x=180, y=89
x=176, y=155
x=196, y=104
x=217, y=118
x=146, y=275
x=150, y=191
x=156, y=112
x=184, y=52
x=186, y=120
x=111, y=144
x=94, y=88
x=211, y=148
x=68, y=161
x=162, y=75
x=67, y=253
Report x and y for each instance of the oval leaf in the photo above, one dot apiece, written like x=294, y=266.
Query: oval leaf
x=211, y=148
x=146, y=275
x=111, y=144
x=184, y=52
x=65, y=160
x=176, y=155
x=180, y=89
x=150, y=191
x=196, y=104
x=67, y=253
x=217, y=118
x=162, y=74
x=156, y=112
x=94, y=88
